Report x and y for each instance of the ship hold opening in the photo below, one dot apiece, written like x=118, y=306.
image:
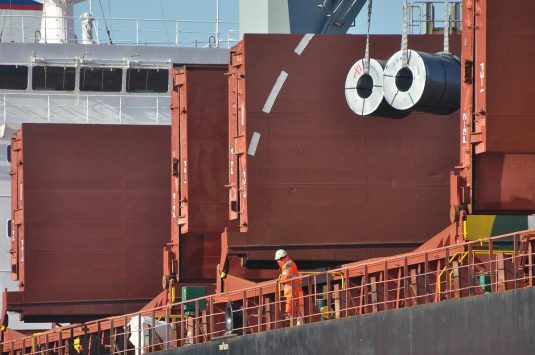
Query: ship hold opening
x=404, y=79
x=13, y=77
x=365, y=86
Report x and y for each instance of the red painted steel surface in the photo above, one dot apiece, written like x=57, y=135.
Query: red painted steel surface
x=93, y=203
x=505, y=111
x=17, y=206
x=324, y=182
x=426, y=276
x=505, y=182
x=199, y=170
x=461, y=179
x=497, y=113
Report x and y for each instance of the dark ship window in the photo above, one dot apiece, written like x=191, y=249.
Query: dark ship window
x=53, y=78
x=147, y=80
x=13, y=77
x=101, y=79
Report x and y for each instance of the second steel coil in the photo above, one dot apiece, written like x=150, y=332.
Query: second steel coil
x=429, y=83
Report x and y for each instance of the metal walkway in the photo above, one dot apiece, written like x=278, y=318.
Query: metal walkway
x=421, y=277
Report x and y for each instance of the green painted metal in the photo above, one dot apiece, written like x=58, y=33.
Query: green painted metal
x=190, y=293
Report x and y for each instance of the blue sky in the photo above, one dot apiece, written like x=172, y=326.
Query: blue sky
x=386, y=16
x=172, y=9
x=162, y=9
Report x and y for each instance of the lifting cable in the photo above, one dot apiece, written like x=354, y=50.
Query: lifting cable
x=3, y=26
x=105, y=23
x=404, y=36
x=446, y=27
x=164, y=22
x=367, y=52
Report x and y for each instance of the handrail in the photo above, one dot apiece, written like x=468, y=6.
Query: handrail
x=439, y=281
x=315, y=273
x=115, y=107
x=201, y=28
x=337, y=273
x=376, y=292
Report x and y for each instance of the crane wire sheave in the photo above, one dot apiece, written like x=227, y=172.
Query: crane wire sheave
x=404, y=36
x=367, y=51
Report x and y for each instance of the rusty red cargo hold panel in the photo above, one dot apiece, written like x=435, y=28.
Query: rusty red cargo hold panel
x=199, y=171
x=497, y=167
x=317, y=179
x=91, y=211
x=505, y=183
x=505, y=112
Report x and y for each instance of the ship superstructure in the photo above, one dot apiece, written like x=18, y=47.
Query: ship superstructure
x=58, y=68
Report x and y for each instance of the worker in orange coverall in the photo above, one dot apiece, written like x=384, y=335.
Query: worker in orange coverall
x=293, y=292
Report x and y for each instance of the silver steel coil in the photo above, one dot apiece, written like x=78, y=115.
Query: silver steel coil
x=364, y=91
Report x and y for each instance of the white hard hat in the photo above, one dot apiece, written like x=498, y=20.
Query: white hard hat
x=281, y=253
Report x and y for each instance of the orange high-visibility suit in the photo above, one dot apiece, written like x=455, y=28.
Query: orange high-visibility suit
x=293, y=292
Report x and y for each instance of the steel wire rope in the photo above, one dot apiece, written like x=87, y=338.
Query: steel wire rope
x=404, y=36
x=446, y=27
x=367, y=50
x=3, y=25
x=164, y=22
x=105, y=22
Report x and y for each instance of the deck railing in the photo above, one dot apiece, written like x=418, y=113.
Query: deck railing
x=124, y=31
x=78, y=107
x=463, y=270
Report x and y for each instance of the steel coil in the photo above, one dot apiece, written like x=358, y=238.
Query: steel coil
x=429, y=83
x=364, y=91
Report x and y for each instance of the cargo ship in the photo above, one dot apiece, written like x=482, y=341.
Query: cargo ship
x=413, y=232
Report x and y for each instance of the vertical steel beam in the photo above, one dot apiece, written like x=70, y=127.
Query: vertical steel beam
x=406, y=293
x=329, y=295
x=112, y=337
x=456, y=281
x=426, y=278
x=414, y=286
x=183, y=319
x=337, y=304
x=277, y=306
x=347, y=294
x=385, y=285
x=491, y=266
x=267, y=307
x=166, y=345
x=260, y=310
x=500, y=266
x=398, y=290
x=470, y=268
x=244, y=311
x=530, y=262
x=373, y=294
x=196, y=325
x=125, y=338
x=211, y=317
